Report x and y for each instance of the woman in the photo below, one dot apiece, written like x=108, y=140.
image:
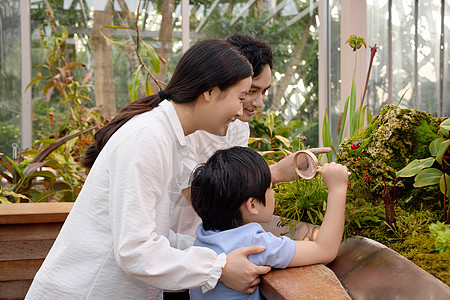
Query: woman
x=116, y=242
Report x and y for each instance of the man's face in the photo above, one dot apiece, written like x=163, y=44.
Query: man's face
x=256, y=95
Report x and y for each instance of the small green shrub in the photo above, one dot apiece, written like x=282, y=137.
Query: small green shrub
x=440, y=232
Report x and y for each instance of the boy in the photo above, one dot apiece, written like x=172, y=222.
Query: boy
x=233, y=190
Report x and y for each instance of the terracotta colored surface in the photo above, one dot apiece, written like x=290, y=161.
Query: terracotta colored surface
x=22, y=213
x=310, y=282
x=370, y=270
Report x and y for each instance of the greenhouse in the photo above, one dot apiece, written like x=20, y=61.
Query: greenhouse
x=144, y=96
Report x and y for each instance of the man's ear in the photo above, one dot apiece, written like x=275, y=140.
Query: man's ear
x=251, y=206
x=208, y=95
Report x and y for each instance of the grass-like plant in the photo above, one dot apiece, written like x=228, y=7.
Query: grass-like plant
x=356, y=113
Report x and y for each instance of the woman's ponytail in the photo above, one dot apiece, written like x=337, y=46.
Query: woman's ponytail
x=135, y=108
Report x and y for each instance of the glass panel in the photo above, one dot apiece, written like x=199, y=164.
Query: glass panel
x=428, y=59
x=377, y=33
x=10, y=76
x=335, y=69
x=446, y=89
x=426, y=94
x=298, y=99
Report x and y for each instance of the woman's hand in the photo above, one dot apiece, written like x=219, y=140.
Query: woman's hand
x=239, y=273
x=284, y=170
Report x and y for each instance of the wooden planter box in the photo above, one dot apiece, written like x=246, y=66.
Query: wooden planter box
x=27, y=232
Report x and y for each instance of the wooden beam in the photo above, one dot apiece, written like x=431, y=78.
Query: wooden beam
x=243, y=10
x=132, y=33
x=44, y=212
x=277, y=10
x=211, y=9
x=301, y=14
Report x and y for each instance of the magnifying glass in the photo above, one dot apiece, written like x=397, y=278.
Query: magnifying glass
x=306, y=164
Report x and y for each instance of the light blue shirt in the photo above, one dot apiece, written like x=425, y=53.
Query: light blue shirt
x=278, y=254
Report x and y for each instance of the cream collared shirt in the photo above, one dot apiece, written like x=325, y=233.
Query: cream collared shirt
x=116, y=242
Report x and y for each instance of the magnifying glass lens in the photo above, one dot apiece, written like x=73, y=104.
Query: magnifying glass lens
x=306, y=165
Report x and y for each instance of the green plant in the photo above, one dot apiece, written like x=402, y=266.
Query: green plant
x=440, y=232
x=356, y=114
x=272, y=137
x=360, y=214
x=49, y=174
x=424, y=172
x=143, y=51
x=59, y=74
x=301, y=200
x=410, y=224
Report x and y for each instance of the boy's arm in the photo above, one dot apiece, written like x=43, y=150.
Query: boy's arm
x=326, y=245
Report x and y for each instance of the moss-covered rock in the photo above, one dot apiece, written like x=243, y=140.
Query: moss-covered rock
x=393, y=139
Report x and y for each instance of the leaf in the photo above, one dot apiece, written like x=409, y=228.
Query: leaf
x=398, y=104
x=16, y=167
x=326, y=135
x=434, y=146
x=344, y=119
x=353, y=117
x=114, y=42
x=362, y=117
x=270, y=122
x=44, y=196
x=252, y=140
x=133, y=86
x=284, y=140
x=154, y=59
x=4, y=200
x=442, y=149
x=32, y=167
x=293, y=124
x=444, y=132
x=48, y=90
x=15, y=195
x=36, y=79
x=445, y=125
x=442, y=184
x=427, y=177
x=415, y=167
x=148, y=89
x=72, y=65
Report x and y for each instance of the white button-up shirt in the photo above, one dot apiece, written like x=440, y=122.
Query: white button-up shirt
x=202, y=146
x=116, y=242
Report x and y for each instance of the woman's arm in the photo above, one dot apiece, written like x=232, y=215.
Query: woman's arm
x=239, y=273
x=326, y=245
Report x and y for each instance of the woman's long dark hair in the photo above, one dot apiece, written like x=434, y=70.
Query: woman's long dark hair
x=205, y=65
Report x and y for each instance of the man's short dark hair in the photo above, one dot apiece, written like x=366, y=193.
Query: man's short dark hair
x=221, y=185
x=256, y=51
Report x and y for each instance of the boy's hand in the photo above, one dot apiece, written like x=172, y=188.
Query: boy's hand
x=239, y=273
x=284, y=170
x=335, y=176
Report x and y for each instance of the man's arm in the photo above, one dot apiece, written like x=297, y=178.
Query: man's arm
x=284, y=170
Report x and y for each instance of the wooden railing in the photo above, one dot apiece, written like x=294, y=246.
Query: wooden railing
x=27, y=232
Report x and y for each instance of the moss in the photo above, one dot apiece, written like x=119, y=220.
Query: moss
x=420, y=250
x=393, y=139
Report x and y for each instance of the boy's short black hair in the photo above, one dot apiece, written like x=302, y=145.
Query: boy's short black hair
x=256, y=51
x=221, y=185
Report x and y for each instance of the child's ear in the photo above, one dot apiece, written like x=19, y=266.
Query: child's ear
x=251, y=206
